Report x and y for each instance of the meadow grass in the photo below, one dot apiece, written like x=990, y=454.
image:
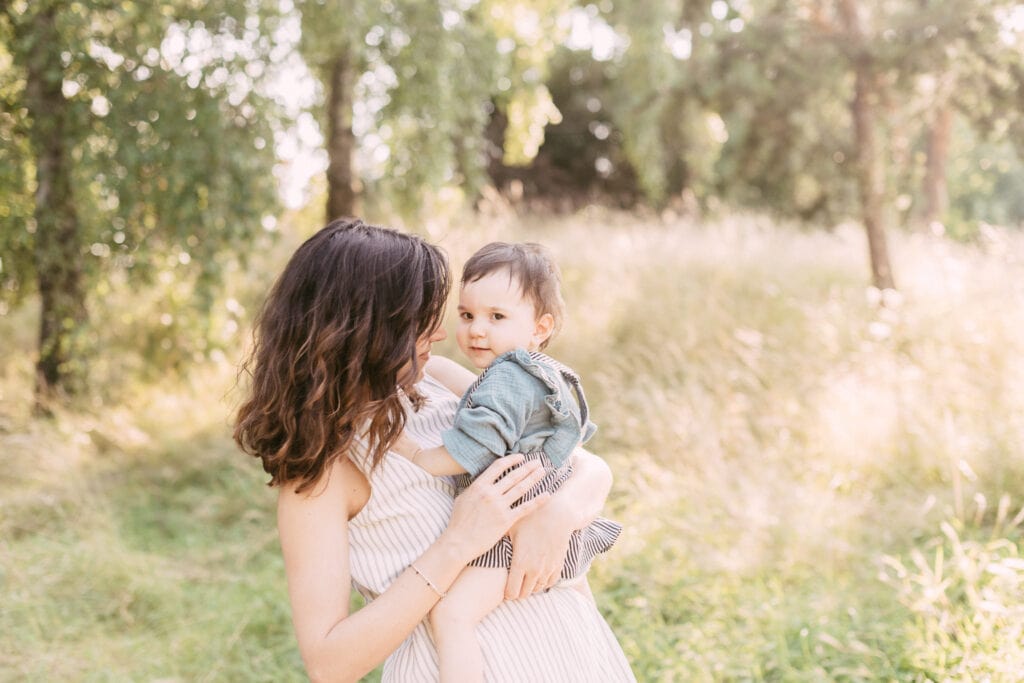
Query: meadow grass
x=814, y=486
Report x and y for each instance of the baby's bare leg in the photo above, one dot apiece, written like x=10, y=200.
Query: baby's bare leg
x=476, y=592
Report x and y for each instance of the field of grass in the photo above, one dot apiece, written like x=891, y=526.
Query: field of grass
x=814, y=487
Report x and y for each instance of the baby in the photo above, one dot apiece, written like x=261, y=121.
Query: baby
x=510, y=306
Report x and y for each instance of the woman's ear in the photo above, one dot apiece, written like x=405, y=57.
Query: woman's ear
x=545, y=325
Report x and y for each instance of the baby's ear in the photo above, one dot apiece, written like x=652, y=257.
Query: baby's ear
x=545, y=325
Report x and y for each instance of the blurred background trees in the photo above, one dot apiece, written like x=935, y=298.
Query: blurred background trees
x=139, y=135
x=135, y=140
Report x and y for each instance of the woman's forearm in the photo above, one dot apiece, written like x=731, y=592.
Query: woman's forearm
x=362, y=640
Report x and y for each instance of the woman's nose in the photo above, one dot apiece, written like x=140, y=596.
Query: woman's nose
x=439, y=334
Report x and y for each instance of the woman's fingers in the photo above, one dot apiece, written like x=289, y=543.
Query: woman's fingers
x=545, y=581
x=520, y=480
x=484, y=512
x=527, y=506
x=522, y=576
x=532, y=473
x=510, y=476
x=501, y=467
x=521, y=585
x=514, y=584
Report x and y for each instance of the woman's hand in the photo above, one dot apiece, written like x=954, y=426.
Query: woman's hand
x=540, y=543
x=483, y=513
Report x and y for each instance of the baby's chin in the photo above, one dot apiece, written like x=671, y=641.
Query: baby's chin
x=480, y=359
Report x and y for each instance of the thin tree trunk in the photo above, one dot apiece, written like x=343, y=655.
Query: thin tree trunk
x=494, y=147
x=870, y=173
x=342, y=185
x=58, y=249
x=936, y=197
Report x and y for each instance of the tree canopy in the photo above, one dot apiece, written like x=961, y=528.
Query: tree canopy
x=136, y=138
x=139, y=135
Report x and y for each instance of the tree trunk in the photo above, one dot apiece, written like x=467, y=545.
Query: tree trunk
x=870, y=172
x=342, y=185
x=870, y=177
x=58, y=249
x=936, y=198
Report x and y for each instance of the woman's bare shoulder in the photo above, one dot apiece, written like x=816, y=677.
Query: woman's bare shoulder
x=453, y=376
x=342, y=487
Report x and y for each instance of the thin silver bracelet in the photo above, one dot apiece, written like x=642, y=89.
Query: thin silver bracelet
x=433, y=587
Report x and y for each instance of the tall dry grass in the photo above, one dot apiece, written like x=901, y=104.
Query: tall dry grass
x=814, y=486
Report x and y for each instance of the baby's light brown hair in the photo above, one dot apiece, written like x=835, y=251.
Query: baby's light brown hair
x=531, y=266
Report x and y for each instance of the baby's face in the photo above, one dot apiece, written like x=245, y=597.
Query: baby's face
x=495, y=317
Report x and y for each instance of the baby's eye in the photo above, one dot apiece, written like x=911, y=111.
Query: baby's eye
x=466, y=315
x=499, y=316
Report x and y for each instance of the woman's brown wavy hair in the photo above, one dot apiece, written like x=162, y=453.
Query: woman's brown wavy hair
x=335, y=340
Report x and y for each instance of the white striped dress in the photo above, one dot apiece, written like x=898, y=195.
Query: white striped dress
x=556, y=637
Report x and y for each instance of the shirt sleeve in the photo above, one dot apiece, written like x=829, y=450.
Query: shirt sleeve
x=494, y=421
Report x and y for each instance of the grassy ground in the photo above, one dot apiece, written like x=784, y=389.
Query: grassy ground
x=814, y=488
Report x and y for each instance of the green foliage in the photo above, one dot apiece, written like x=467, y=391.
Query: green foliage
x=436, y=112
x=749, y=101
x=967, y=600
x=170, y=140
x=15, y=186
x=585, y=150
x=658, y=96
x=529, y=33
x=430, y=75
x=986, y=180
x=784, y=97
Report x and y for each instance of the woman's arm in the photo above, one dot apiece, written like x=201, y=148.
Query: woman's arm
x=587, y=489
x=313, y=527
x=540, y=541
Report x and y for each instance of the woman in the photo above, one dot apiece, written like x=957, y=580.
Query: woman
x=341, y=371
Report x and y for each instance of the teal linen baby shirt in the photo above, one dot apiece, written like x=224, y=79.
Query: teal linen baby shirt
x=523, y=402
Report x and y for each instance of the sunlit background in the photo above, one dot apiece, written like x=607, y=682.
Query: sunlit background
x=792, y=251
